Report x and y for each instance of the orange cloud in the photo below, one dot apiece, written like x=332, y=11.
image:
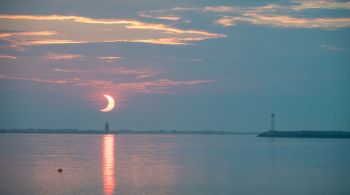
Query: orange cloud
x=58, y=29
x=39, y=33
x=220, y=9
x=226, y=21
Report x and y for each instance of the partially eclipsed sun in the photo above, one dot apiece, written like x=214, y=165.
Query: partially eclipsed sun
x=110, y=104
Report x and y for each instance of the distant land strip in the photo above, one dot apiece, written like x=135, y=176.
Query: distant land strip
x=306, y=134
x=76, y=131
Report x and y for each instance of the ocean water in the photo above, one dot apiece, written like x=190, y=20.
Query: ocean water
x=172, y=164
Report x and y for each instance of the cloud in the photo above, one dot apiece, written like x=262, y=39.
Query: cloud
x=231, y=9
x=36, y=79
x=286, y=21
x=275, y=15
x=333, y=48
x=160, y=17
x=226, y=21
x=28, y=30
x=38, y=33
x=9, y=37
x=157, y=86
x=169, y=41
x=219, y=9
x=68, y=70
x=139, y=73
x=61, y=56
x=181, y=9
x=319, y=4
x=110, y=58
x=297, y=5
x=8, y=57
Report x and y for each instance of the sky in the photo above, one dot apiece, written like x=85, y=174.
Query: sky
x=185, y=65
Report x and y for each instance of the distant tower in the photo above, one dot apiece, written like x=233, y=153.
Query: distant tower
x=106, y=126
x=273, y=122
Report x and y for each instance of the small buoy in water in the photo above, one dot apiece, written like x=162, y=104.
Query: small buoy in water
x=59, y=170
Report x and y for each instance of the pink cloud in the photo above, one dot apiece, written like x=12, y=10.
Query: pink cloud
x=139, y=73
x=157, y=86
x=8, y=57
x=110, y=58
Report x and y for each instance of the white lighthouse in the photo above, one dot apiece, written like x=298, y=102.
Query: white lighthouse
x=273, y=120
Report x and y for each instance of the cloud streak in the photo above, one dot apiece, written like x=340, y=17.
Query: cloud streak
x=275, y=15
x=285, y=21
x=157, y=86
x=62, y=56
x=220, y=9
x=29, y=30
x=139, y=73
x=319, y=4
x=333, y=48
x=110, y=58
x=8, y=57
x=160, y=17
x=38, y=33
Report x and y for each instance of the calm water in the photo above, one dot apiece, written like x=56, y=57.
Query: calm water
x=172, y=164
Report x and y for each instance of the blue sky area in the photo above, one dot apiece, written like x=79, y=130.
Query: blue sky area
x=187, y=65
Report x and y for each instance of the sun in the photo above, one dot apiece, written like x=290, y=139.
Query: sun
x=111, y=104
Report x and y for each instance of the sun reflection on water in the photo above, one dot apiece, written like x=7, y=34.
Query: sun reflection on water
x=108, y=164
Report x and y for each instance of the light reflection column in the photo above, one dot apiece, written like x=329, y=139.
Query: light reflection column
x=108, y=164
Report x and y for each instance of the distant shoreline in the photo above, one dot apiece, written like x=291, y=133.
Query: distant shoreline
x=76, y=131
x=277, y=134
x=306, y=134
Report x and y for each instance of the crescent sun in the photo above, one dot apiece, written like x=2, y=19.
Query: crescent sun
x=110, y=104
